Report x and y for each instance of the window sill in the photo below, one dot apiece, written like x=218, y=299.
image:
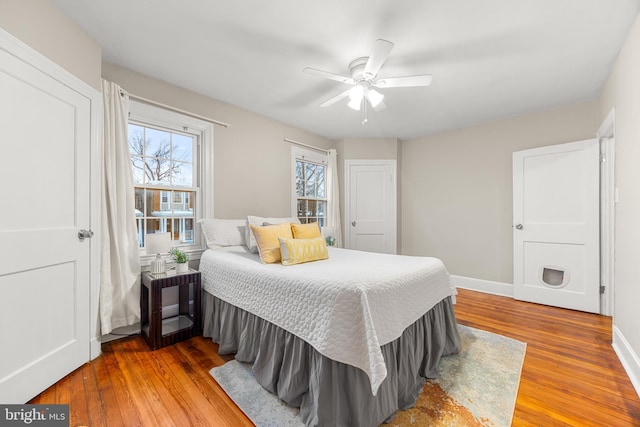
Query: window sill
x=145, y=260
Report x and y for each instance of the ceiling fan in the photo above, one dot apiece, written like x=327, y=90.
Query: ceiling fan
x=364, y=79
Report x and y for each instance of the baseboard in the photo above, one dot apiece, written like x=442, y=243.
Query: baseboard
x=122, y=332
x=486, y=286
x=628, y=357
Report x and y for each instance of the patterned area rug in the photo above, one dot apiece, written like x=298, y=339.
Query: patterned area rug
x=477, y=387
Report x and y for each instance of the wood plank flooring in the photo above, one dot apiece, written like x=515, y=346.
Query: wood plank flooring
x=570, y=377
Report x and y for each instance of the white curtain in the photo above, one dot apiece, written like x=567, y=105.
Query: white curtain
x=120, y=269
x=334, y=198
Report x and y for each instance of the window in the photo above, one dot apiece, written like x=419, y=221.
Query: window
x=169, y=156
x=310, y=195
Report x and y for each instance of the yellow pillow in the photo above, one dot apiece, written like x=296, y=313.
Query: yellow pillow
x=267, y=240
x=297, y=251
x=305, y=231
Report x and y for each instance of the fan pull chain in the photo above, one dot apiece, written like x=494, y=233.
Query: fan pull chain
x=364, y=112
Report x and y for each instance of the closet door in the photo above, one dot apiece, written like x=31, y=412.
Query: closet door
x=45, y=277
x=556, y=235
x=371, y=205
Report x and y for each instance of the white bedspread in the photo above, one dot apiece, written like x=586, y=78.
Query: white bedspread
x=346, y=307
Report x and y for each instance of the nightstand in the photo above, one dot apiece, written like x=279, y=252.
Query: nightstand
x=159, y=332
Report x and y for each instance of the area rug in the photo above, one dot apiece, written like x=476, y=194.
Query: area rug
x=477, y=387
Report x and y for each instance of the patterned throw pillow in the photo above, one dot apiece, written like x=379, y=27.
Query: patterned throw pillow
x=297, y=251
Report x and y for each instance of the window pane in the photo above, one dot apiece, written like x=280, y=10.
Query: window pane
x=137, y=165
x=136, y=140
x=182, y=147
x=299, y=179
x=183, y=203
x=322, y=208
x=320, y=180
x=310, y=177
x=157, y=170
x=140, y=228
x=182, y=174
x=309, y=170
x=158, y=225
x=302, y=208
x=183, y=230
x=312, y=207
x=153, y=202
x=139, y=195
x=158, y=143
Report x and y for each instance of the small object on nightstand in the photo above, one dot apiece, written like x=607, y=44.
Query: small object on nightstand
x=182, y=260
x=329, y=235
x=159, y=332
x=158, y=243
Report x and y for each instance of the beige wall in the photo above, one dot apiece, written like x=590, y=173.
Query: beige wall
x=252, y=166
x=44, y=28
x=369, y=148
x=457, y=188
x=622, y=92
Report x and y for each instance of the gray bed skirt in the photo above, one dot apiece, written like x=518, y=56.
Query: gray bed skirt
x=331, y=393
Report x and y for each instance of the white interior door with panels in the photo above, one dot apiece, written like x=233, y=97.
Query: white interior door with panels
x=556, y=235
x=48, y=131
x=370, y=187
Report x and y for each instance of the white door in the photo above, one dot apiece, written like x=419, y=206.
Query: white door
x=371, y=205
x=45, y=130
x=556, y=225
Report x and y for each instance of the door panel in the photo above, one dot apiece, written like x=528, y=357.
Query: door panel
x=371, y=199
x=45, y=277
x=556, y=225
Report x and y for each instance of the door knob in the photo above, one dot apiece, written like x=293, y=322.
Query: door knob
x=519, y=226
x=85, y=234
x=353, y=223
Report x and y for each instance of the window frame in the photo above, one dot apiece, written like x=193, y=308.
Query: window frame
x=310, y=156
x=148, y=115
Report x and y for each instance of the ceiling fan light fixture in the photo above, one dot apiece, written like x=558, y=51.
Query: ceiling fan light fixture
x=364, y=80
x=355, y=104
x=355, y=95
x=374, y=97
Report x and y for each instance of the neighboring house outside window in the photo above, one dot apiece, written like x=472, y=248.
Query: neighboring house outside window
x=310, y=186
x=170, y=153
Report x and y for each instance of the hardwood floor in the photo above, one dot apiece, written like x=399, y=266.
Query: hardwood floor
x=570, y=376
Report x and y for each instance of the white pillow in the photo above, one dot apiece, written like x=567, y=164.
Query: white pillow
x=224, y=232
x=258, y=221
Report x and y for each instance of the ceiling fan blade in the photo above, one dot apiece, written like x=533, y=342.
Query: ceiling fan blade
x=407, y=81
x=335, y=99
x=328, y=75
x=380, y=52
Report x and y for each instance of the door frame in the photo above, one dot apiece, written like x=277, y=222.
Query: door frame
x=24, y=52
x=608, y=199
x=347, y=195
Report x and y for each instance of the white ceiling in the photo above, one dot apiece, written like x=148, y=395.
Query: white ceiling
x=490, y=59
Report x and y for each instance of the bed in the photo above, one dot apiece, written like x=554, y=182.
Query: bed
x=349, y=339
